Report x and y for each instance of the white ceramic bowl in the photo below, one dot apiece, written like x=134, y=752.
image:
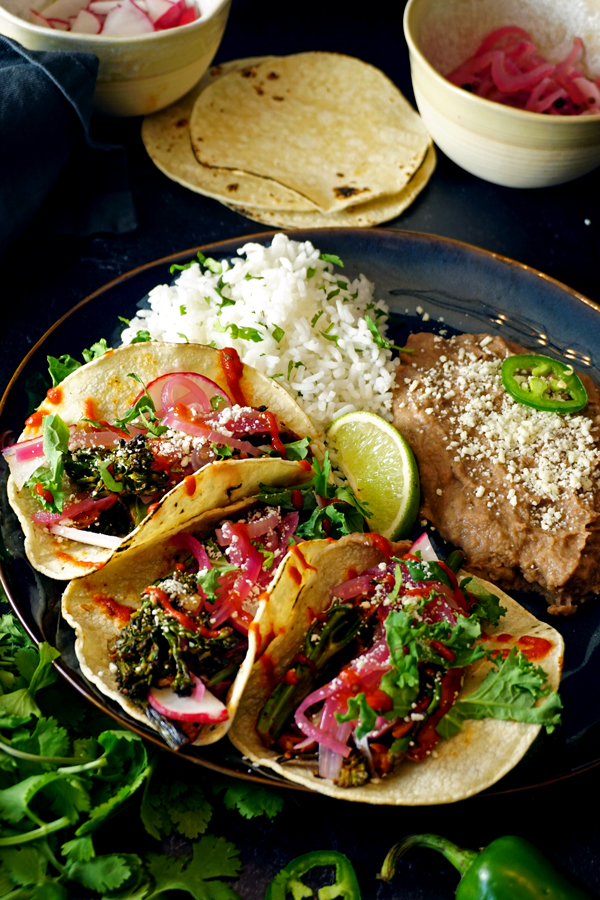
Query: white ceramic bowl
x=137, y=75
x=501, y=144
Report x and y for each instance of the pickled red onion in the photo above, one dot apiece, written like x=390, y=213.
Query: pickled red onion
x=188, y=542
x=171, y=420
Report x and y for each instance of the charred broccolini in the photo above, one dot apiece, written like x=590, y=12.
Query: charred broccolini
x=128, y=467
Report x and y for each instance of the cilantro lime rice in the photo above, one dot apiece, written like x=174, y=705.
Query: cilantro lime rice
x=291, y=316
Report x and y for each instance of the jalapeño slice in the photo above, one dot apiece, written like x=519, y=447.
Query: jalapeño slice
x=547, y=383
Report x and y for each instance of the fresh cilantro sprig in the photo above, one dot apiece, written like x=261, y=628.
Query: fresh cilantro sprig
x=205, y=262
x=64, y=775
x=239, y=331
x=378, y=338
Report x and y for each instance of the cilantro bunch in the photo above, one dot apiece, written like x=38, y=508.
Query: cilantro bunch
x=65, y=772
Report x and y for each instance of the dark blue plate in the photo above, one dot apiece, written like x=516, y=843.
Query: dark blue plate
x=456, y=287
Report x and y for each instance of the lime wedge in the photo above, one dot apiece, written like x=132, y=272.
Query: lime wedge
x=381, y=470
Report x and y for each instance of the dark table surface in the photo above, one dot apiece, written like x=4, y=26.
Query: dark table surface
x=556, y=230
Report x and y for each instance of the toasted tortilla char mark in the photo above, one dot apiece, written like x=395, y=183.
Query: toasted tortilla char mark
x=229, y=491
x=113, y=608
x=348, y=191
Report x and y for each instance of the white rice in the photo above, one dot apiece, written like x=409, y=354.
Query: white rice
x=273, y=293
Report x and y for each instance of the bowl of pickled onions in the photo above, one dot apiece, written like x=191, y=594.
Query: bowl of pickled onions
x=509, y=89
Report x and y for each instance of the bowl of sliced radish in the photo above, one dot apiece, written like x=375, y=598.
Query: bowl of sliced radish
x=509, y=89
x=151, y=52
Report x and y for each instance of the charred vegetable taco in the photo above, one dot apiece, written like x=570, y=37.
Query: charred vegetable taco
x=170, y=627
x=392, y=680
x=120, y=433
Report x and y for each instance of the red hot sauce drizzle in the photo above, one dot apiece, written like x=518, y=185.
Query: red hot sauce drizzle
x=113, y=608
x=233, y=369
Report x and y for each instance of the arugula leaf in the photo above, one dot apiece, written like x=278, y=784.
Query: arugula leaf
x=509, y=692
x=343, y=519
x=60, y=367
x=239, y=331
x=144, y=410
x=212, y=858
x=56, y=444
x=96, y=350
x=332, y=258
x=297, y=449
x=359, y=709
x=488, y=607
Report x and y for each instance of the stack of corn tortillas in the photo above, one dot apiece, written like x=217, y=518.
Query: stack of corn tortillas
x=310, y=140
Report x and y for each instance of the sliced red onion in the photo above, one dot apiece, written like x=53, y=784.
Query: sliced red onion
x=188, y=542
x=171, y=420
x=262, y=526
x=200, y=706
x=94, y=438
x=330, y=761
x=42, y=517
x=311, y=730
x=94, y=538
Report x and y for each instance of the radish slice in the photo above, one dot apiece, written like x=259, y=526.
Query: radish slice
x=59, y=24
x=171, y=18
x=157, y=8
x=190, y=15
x=88, y=23
x=62, y=9
x=125, y=20
x=94, y=538
x=36, y=19
x=423, y=544
x=201, y=706
x=102, y=7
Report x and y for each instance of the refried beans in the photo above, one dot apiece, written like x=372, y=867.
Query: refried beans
x=517, y=489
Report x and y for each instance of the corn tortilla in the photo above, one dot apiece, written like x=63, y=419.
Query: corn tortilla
x=465, y=764
x=103, y=387
x=149, y=557
x=350, y=135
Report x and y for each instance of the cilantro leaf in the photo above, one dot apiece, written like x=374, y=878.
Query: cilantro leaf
x=221, y=452
x=96, y=350
x=213, y=858
x=332, y=258
x=378, y=338
x=103, y=873
x=278, y=333
x=509, y=691
x=488, y=605
x=209, y=580
x=250, y=800
x=22, y=702
x=359, y=709
x=239, y=331
x=427, y=571
x=141, y=337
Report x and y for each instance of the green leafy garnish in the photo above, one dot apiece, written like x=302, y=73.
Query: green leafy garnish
x=96, y=350
x=239, y=331
x=297, y=449
x=488, y=605
x=56, y=444
x=379, y=340
x=141, y=337
x=60, y=367
x=332, y=258
x=278, y=333
x=143, y=410
x=509, y=691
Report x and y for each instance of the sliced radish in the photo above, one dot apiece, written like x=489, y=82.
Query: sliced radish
x=190, y=15
x=36, y=19
x=102, y=7
x=423, y=544
x=171, y=18
x=201, y=706
x=207, y=387
x=125, y=20
x=88, y=23
x=62, y=9
x=94, y=538
x=157, y=8
x=59, y=24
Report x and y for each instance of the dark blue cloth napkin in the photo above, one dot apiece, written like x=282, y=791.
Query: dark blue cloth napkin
x=48, y=161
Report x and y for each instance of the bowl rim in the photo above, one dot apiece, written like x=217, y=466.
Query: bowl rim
x=100, y=39
x=524, y=115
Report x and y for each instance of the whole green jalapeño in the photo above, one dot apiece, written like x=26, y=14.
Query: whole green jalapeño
x=547, y=385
